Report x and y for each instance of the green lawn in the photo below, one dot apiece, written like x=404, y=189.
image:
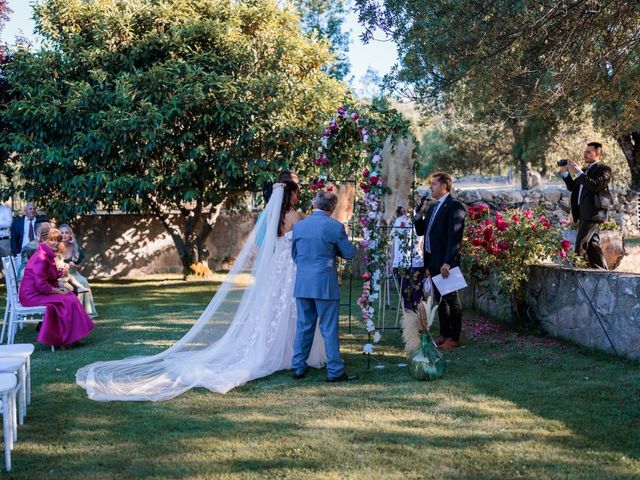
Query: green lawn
x=509, y=407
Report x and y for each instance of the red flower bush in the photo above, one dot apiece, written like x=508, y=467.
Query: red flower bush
x=500, y=248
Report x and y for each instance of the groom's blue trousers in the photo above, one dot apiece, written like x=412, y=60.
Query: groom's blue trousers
x=328, y=311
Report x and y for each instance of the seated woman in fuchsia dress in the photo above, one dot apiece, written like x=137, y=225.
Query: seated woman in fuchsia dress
x=65, y=320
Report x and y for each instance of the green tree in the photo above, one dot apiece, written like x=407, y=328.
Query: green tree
x=325, y=18
x=459, y=145
x=164, y=106
x=515, y=61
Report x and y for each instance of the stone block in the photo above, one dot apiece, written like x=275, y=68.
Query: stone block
x=552, y=195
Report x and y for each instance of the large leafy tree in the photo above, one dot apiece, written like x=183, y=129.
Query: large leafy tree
x=528, y=63
x=325, y=18
x=165, y=106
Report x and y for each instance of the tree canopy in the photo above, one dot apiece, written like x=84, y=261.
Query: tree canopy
x=530, y=64
x=164, y=106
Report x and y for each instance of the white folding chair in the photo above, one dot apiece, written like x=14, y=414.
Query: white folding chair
x=23, y=350
x=8, y=391
x=17, y=366
x=18, y=314
x=16, y=260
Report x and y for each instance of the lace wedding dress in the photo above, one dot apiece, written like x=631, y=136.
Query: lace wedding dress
x=246, y=331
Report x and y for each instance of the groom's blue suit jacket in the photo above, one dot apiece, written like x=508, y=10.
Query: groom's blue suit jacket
x=317, y=241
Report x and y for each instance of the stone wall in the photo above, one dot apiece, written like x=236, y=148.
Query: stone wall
x=558, y=302
x=130, y=245
x=555, y=200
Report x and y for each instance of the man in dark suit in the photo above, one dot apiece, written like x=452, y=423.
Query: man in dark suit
x=443, y=226
x=590, y=202
x=23, y=229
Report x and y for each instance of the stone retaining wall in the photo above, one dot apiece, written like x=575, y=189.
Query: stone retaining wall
x=557, y=300
x=561, y=299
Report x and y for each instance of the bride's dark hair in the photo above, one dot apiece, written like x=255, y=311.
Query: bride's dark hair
x=289, y=188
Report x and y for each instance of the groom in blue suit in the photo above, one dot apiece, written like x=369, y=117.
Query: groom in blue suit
x=317, y=241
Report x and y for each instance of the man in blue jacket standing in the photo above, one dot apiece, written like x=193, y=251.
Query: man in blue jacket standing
x=317, y=242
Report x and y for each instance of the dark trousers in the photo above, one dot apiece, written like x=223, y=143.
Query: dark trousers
x=410, y=281
x=588, y=245
x=450, y=314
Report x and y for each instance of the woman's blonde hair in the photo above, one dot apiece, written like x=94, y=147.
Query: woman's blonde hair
x=68, y=227
x=54, y=235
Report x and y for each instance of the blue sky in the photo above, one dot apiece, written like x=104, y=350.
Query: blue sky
x=379, y=56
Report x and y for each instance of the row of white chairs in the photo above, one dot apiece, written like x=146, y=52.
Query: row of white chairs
x=15, y=359
x=16, y=315
x=15, y=392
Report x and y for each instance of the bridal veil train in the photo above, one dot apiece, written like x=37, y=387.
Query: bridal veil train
x=243, y=334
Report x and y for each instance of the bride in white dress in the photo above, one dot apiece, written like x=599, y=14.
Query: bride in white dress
x=246, y=331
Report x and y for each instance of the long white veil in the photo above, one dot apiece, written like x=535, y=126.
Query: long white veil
x=214, y=353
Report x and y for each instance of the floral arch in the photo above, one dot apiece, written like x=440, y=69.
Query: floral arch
x=365, y=140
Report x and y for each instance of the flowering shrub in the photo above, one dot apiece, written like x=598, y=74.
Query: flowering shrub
x=500, y=248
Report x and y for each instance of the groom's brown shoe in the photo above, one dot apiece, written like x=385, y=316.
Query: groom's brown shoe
x=439, y=340
x=343, y=378
x=450, y=344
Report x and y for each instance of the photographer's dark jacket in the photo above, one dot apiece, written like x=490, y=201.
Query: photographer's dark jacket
x=595, y=198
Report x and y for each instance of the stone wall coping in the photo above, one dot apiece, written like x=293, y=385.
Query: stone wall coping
x=589, y=271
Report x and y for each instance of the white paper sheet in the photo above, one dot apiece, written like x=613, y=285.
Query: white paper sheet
x=455, y=281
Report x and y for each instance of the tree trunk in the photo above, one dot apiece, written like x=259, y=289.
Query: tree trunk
x=190, y=242
x=518, y=156
x=630, y=145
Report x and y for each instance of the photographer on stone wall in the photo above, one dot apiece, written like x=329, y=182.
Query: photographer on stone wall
x=590, y=201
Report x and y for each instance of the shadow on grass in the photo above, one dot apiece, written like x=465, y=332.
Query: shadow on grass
x=496, y=396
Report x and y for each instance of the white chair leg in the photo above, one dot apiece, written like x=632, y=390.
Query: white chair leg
x=4, y=321
x=7, y=430
x=28, y=380
x=14, y=417
x=22, y=394
x=12, y=327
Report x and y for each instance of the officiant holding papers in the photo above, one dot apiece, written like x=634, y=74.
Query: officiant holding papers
x=442, y=225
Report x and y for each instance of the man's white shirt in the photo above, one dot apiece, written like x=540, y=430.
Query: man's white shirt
x=25, y=231
x=565, y=174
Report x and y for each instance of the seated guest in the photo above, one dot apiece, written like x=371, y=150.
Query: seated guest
x=65, y=321
x=72, y=255
x=23, y=229
x=42, y=231
x=6, y=218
